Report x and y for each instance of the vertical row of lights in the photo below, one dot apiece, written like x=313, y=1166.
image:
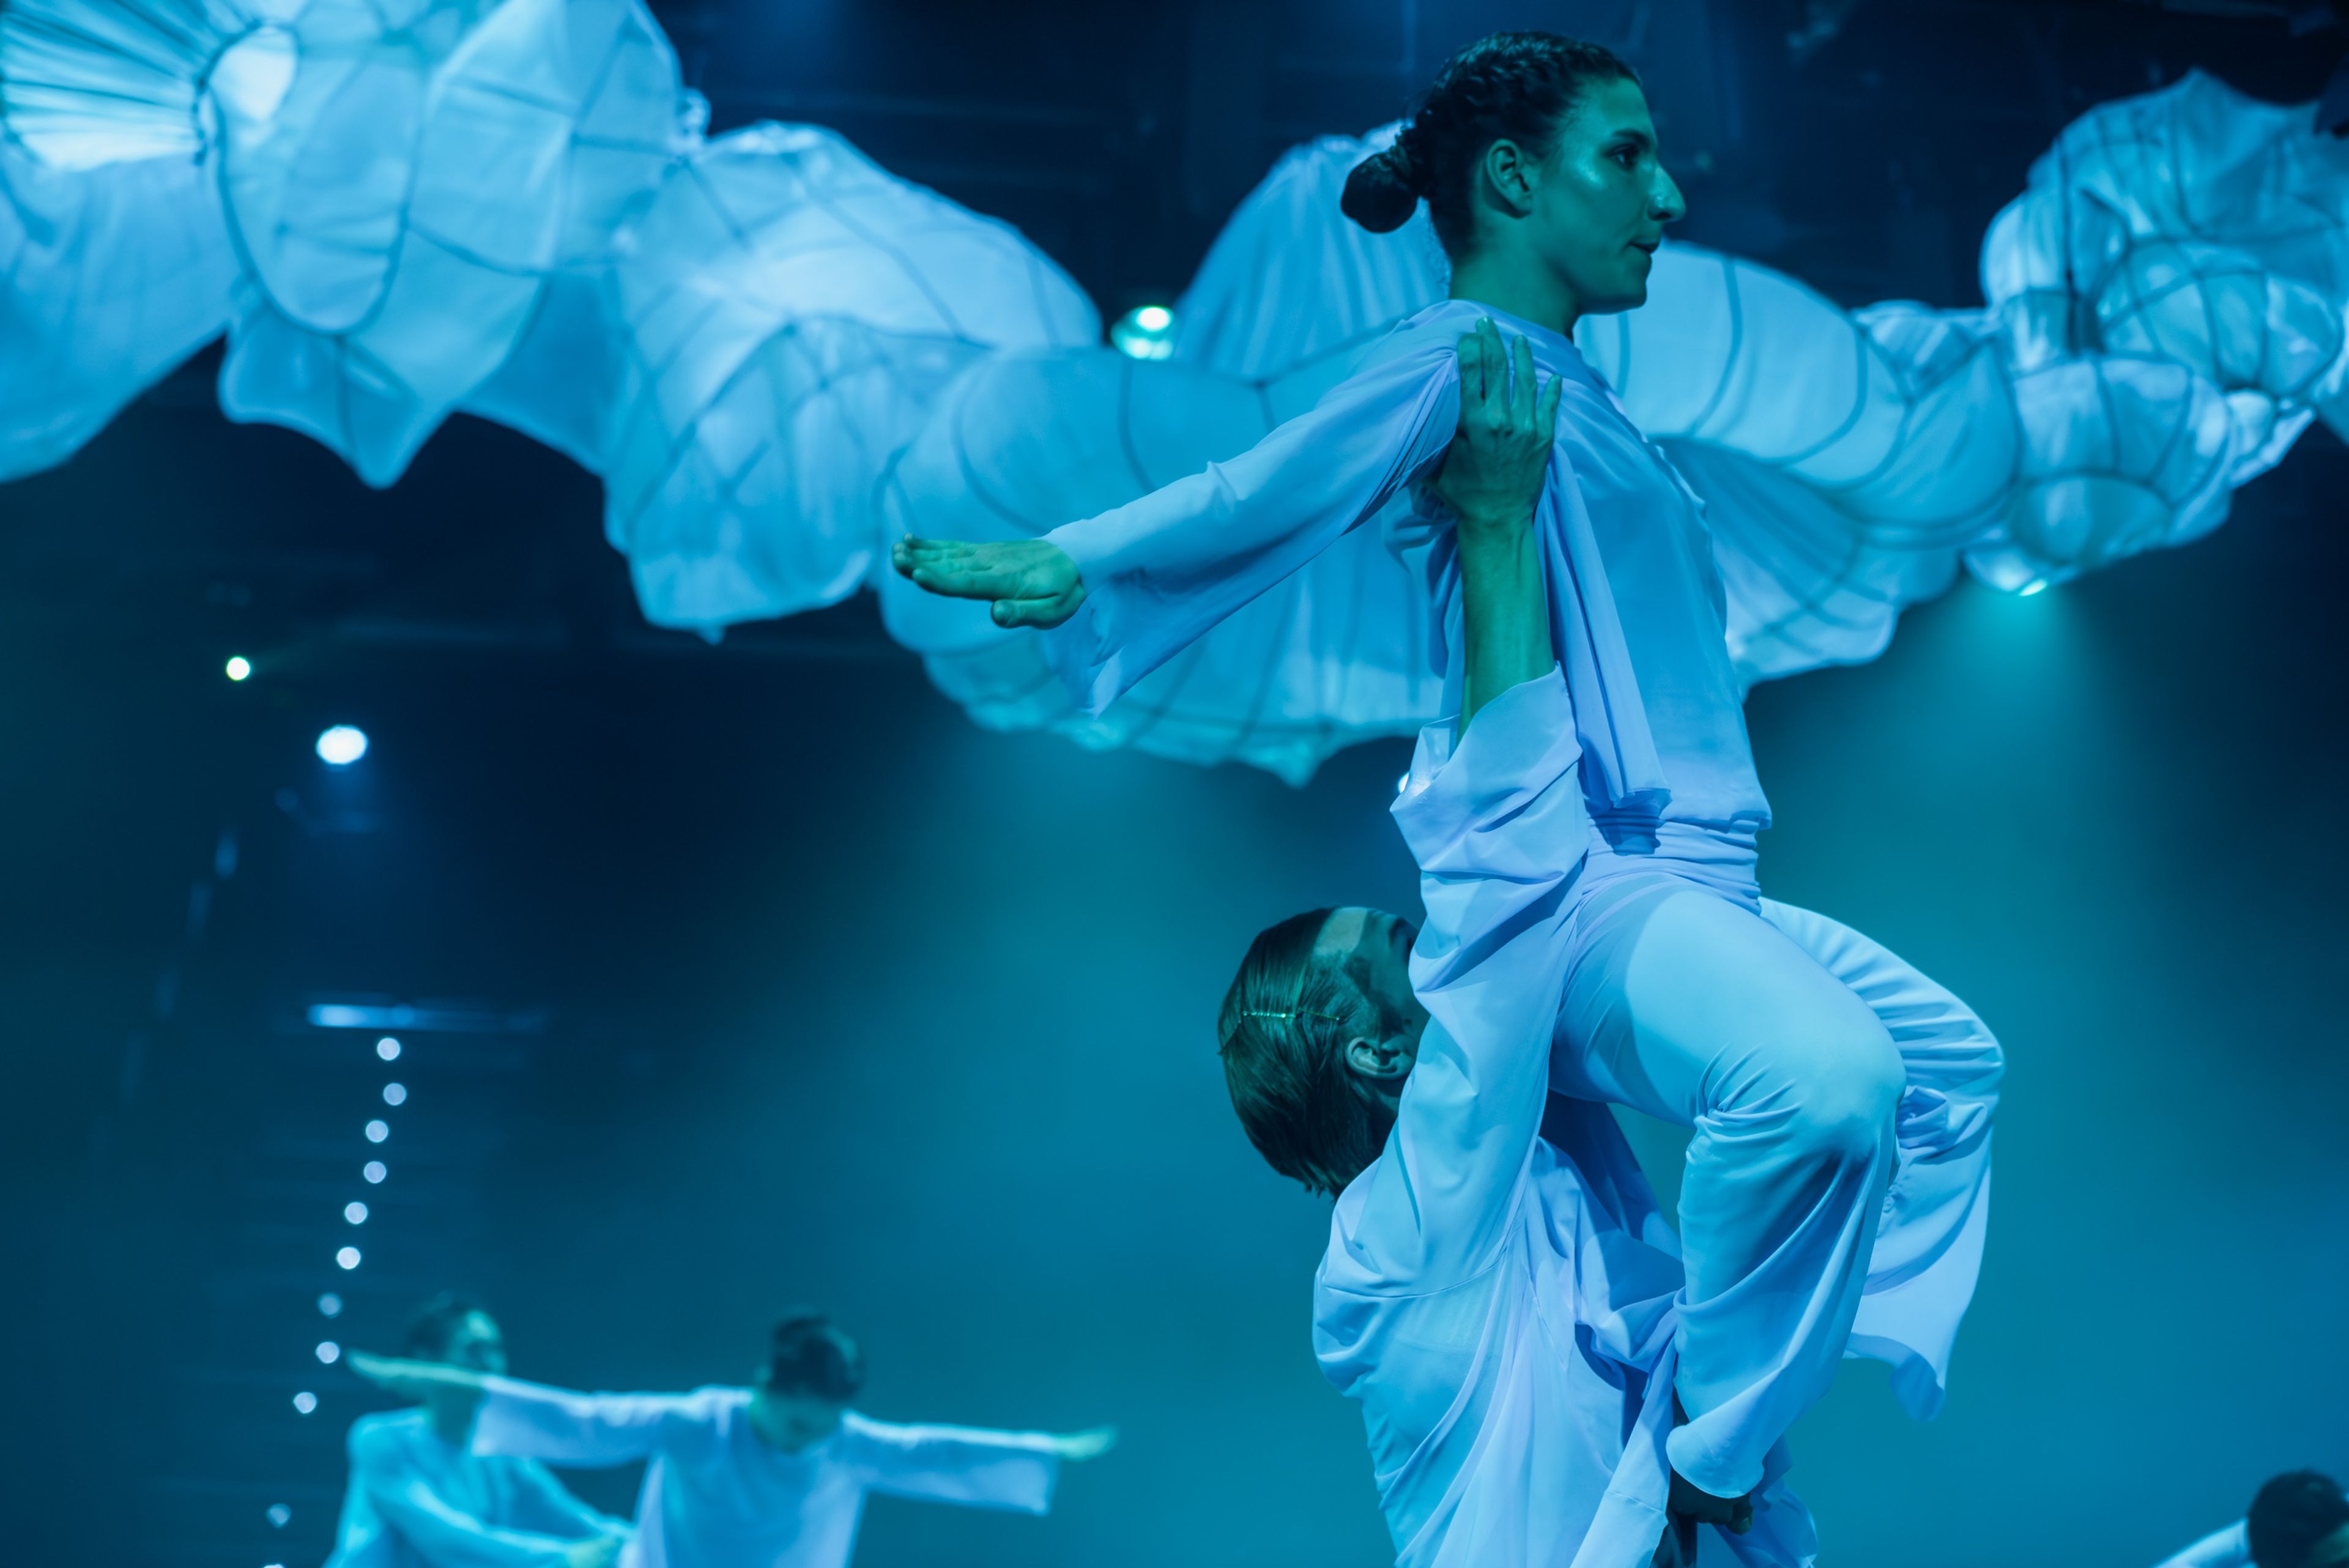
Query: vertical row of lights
x=348, y=1257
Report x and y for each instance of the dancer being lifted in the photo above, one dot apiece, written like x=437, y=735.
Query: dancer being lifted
x=773, y=1476
x=1835, y=1191
x=422, y=1495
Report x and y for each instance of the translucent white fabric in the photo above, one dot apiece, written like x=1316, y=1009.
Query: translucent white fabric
x=109, y=277
x=400, y=177
x=401, y=209
x=786, y=316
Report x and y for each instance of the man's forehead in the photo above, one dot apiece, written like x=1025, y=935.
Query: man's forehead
x=1341, y=933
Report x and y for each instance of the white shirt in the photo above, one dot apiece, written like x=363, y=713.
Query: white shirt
x=715, y=1495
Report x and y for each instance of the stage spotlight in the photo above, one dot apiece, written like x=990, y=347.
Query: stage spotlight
x=330, y=1305
x=394, y=1094
x=377, y=1131
x=375, y=1171
x=387, y=1048
x=355, y=1213
x=238, y=668
x=342, y=745
x=306, y=1401
x=280, y=1515
x=330, y=1352
x=348, y=1258
x=1145, y=332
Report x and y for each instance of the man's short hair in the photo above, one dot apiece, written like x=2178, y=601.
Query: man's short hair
x=1282, y=1034
x=432, y=1326
x=812, y=1357
x=2291, y=1513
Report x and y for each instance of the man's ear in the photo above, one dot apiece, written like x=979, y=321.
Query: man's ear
x=1383, y=1060
x=1509, y=178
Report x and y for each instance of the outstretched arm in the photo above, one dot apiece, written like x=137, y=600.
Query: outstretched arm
x=1137, y=584
x=533, y=1421
x=972, y=1465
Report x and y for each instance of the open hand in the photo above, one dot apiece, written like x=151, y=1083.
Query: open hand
x=1091, y=1444
x=1494, y=473
x=1030, y=582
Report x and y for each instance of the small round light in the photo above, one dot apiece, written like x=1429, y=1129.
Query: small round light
x=394, y=1094
x=330, y=1352
x=2037, y=586
x=355, y=1213
x=306, y=1401
x=280, y=1515
x=377, y=1131
x=347, y=1258
x=375, y=1170
x=1146, y=332
x=330, y=1305
x=342, y=745
x=387, y=1048
x=238, y=668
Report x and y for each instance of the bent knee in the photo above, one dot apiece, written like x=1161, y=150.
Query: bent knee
x=1842, y=1106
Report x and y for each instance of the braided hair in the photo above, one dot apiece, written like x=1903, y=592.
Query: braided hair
x=1282, y=1036
x=2291, y=1514
x=1514, y=87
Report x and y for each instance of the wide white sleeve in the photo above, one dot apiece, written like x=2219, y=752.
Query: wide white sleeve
x=968, y=1465
x=1163, y=571
x=437, y=1529
x=543, y=1502
x=2227, y=1548
x=1497, y=822
x=535, y=1422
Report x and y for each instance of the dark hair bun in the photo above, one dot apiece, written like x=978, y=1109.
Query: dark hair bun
x=1382, y=193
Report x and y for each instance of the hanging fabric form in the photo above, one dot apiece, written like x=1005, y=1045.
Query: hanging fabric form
x=778, y=356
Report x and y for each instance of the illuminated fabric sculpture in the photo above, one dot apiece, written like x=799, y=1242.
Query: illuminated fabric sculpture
x=777, y=355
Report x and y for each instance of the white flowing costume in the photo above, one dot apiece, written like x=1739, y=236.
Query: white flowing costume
x=414, y=1501
x=715, y=1495
x=1836, y=1187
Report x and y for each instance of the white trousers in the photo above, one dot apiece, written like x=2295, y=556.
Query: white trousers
x=1836, y=1183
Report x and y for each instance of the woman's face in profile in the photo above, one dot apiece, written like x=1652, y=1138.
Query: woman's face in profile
x=1604, y=198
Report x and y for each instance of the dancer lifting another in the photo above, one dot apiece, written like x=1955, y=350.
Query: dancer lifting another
x=772, y=1476
x=422, y=1495
x=1835, y=1189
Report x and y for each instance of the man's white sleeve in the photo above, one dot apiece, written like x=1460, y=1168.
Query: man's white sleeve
x=1497, y=823
x=968, y=1465
x=535, y=1422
